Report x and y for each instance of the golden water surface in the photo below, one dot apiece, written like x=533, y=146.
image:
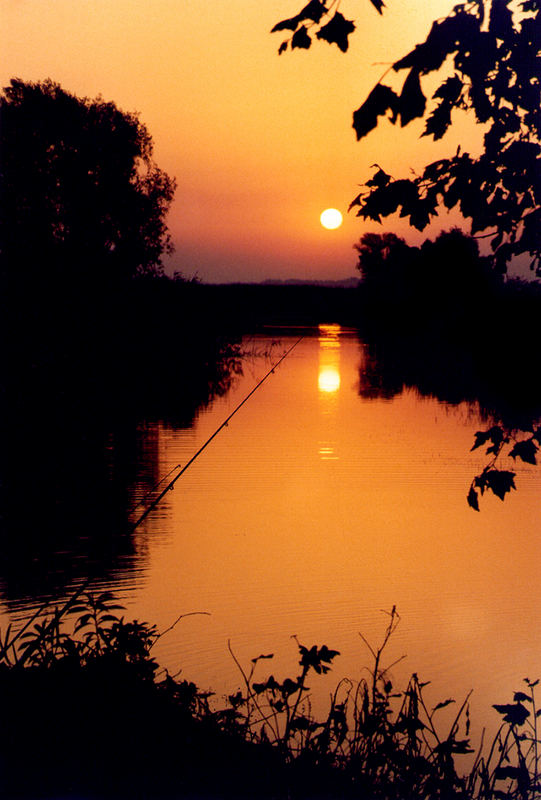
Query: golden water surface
x=315, y=510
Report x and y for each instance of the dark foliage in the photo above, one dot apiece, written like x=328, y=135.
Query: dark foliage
x=90, y=714
x=488, y=55
x=495, y=76
x=315, y=18
x=81, y=198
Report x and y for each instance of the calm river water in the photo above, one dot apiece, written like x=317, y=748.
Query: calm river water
x=314, y=511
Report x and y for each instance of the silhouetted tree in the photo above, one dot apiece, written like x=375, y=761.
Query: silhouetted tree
x=445, y=284
x=81, y=197
x=380, y=253
x=488, y=54
x=453, y=262
x=387, y=287
x=453, y=275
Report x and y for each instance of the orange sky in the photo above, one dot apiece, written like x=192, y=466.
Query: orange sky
x=259, y=144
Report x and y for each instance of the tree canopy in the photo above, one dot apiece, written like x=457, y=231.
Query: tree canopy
x=447, y=274
x=81, y=196
x=487, y=54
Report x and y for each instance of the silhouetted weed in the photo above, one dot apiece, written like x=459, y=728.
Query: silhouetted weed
x=87, y=712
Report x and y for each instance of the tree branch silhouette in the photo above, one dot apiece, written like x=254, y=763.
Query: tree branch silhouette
x=487, y=52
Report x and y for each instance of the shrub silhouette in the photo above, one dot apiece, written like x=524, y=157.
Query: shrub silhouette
x=90, y=713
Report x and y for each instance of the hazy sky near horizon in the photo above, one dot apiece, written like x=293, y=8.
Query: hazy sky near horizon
x=259, y=144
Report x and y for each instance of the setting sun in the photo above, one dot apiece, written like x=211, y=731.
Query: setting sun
x=331, y=218
x=328, y=379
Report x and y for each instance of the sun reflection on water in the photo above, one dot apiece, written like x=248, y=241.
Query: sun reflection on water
x=329, y=385
x=329, y=379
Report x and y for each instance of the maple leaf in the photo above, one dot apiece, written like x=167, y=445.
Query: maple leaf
x=337, y=31
x=420, y=214
x=495, y=434
x=450, y=89
x=412, y=100
x=500, y=481
x=525, y=450
x=380, y=100
x=379, y=179
x=440, y=119
x=327, y=655
x=301, y=39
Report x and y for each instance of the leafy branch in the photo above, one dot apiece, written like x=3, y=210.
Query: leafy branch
x=335, y=29
x=488, y=52
x=501, y=481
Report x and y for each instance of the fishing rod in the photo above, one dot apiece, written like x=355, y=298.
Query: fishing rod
x=153, y=488
x=60, y=612
x=183, y=469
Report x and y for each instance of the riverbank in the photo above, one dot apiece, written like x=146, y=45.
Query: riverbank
x=91, y=715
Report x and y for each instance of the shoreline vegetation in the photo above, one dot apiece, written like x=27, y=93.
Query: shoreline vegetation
x=92, y=715
x=89, y=713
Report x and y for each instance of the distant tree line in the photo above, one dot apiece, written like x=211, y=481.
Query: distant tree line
x=442, y=284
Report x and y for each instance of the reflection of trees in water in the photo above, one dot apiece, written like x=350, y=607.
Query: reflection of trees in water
x=439, y=319
x=97, y=341
x=80, y=441
x=492, y=374
x=65, y=487
x=500, y=388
